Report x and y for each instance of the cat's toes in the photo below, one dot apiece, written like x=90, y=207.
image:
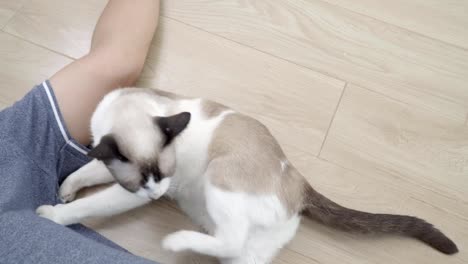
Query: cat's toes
x=67, y=192
x=176, y=241
x=48, y=212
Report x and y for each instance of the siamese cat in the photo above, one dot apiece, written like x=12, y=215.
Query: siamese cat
x=225, y=170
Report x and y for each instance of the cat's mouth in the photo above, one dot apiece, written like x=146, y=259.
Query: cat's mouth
x=154, y=190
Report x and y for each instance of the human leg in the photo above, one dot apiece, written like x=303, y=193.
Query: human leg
x=43, y=152
x=27, y=238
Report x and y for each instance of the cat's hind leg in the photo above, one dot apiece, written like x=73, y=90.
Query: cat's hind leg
x=227, y=211
x=93, y=173
x=264, y=243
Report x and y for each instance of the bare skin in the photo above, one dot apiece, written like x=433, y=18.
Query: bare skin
x=120, y=43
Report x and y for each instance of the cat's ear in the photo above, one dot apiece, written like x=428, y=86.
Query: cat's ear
x=171, y=126
x=107, y=150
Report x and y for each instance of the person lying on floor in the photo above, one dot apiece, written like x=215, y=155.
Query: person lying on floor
x=42, y=139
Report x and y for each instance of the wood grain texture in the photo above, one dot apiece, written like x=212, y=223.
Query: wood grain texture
x=24, y=65
x=418, y=145
x=341, y=43
x=420, y=153
x=295, y=103
x=7, y=9
x=62, y=26
x=442, y=20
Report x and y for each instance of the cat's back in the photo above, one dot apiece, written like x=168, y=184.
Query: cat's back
x=192, y=146
x=225, y=132
x=255, y=162
x=216, y=132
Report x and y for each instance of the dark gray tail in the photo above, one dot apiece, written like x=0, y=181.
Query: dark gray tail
x=329, y=213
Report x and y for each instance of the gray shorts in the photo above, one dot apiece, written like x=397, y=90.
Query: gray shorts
x=36, y=154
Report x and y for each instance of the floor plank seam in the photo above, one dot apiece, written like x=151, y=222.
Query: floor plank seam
x=397, y=26
x=398, y=175
x=299, y=65
x=332, y=119
x=38, y=45
x=417, y=106
x=258, y=50
x=338, y=165
x=14, y=14
x=8, y=21
x=302, y=254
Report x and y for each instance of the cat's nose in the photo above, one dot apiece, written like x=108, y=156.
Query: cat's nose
x=150, y=182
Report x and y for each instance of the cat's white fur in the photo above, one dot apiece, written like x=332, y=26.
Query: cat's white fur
x=241, y=228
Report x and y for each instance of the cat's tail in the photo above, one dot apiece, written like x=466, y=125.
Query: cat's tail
x=324, y=210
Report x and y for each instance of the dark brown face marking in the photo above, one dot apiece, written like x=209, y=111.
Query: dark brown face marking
x=107, y=150
x=150, y=170
x=171, y=126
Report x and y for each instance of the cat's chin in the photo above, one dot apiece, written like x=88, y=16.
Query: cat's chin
x=154, y=190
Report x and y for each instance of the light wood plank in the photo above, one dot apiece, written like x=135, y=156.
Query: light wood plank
x=3, y=105
x=7, y=9
x=406, y=66
x=295, y=103
x=373, y=133
x=23, y=66
x=416, y=151
x=288, y=256
x=444, y=20
x=62, y=26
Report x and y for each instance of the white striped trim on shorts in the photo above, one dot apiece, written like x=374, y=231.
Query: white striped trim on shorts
x=59, y=122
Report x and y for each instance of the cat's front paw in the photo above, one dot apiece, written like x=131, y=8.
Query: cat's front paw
x=49, y=212
x=177, y=241
x=67, y=191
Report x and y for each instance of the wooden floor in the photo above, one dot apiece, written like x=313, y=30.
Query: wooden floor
x=369, y=99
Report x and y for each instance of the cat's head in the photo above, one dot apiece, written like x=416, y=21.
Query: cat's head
x=140, y=152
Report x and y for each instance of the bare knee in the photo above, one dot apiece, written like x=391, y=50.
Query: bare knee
x=116, y=67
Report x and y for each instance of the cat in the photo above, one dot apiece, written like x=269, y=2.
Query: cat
x=225, y=170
